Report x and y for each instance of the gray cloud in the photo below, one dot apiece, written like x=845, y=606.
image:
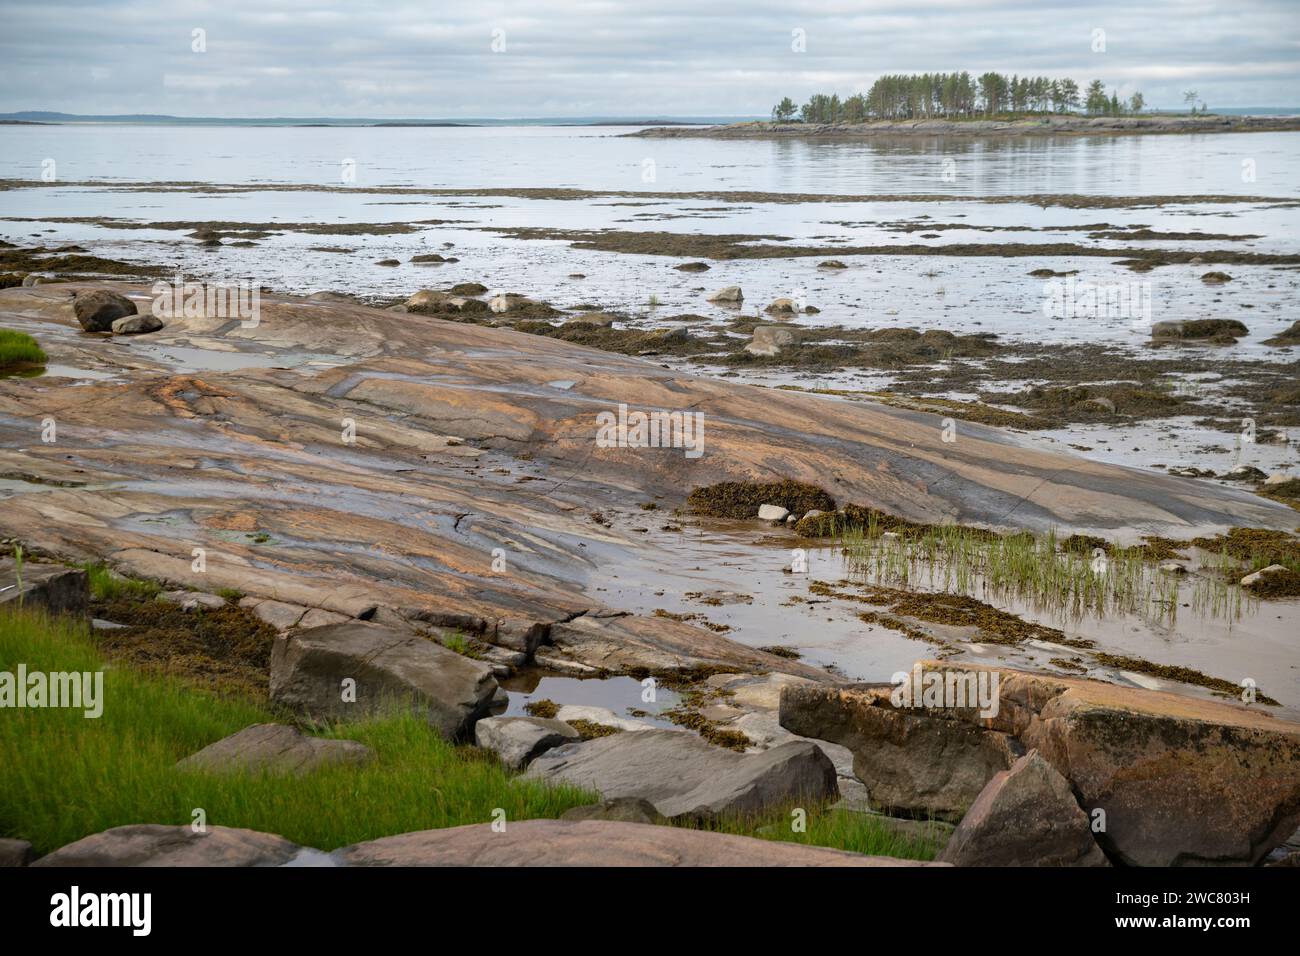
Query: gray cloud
x=619, y=57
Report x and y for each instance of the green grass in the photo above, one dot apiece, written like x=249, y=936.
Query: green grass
x=1040, y=569
x=19, y=348
x=66, y=776
x=840, y=829
x=108, y=585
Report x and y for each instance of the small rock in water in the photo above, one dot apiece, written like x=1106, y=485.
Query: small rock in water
x=772, y=512
x=1172, y=567
x=831, y=264
x=731, y=295
x=1256, y=576
x=769, y=339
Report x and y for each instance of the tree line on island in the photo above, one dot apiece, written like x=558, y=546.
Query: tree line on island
x=959, y=96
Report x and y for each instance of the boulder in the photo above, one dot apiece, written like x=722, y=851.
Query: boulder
x=1256, y=576
x=731, y=295
x=96, y=309
x=14, y=853
x=769, y=339
x=430, y=300
x=1025, y=816
x=781, y=307
x=683, y=776
x=53, y=588
x=136, y=324
x=622, y=809
x=390, y=668
x=911, y=764
x=152, y=844
x=275, y=748
x=1182, y=781
x=1216, y=278
x=773, y=513
x=593, y=843
x=517, y=740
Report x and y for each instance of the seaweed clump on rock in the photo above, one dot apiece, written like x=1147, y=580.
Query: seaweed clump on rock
x=742, y=499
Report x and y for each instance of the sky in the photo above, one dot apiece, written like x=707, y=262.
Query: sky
x=631, y=58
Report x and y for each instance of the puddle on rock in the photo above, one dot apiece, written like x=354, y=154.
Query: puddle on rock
x=622, y=695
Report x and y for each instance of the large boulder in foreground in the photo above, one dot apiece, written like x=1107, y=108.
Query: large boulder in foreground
x=1181, y=781
x=97, y=309
x=683, y=776
x=593, y=843
x=275, y=748
x=385, y=668
x=1025, y=816
x=52, y=588
x=153, y=844
x=912, y=765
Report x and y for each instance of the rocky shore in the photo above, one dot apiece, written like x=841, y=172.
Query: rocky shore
x=1033, y=126
x=421, y=505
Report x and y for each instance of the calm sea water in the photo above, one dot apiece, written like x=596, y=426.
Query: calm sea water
x=603, y=158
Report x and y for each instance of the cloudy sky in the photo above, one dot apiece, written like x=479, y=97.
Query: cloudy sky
x=614, y=57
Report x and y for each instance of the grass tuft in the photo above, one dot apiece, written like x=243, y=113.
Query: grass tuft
x=19, y=349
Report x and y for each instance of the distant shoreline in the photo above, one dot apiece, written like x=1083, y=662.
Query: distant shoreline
x=1032, y=126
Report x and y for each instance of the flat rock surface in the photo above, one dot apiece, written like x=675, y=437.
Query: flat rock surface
x=593, y=843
